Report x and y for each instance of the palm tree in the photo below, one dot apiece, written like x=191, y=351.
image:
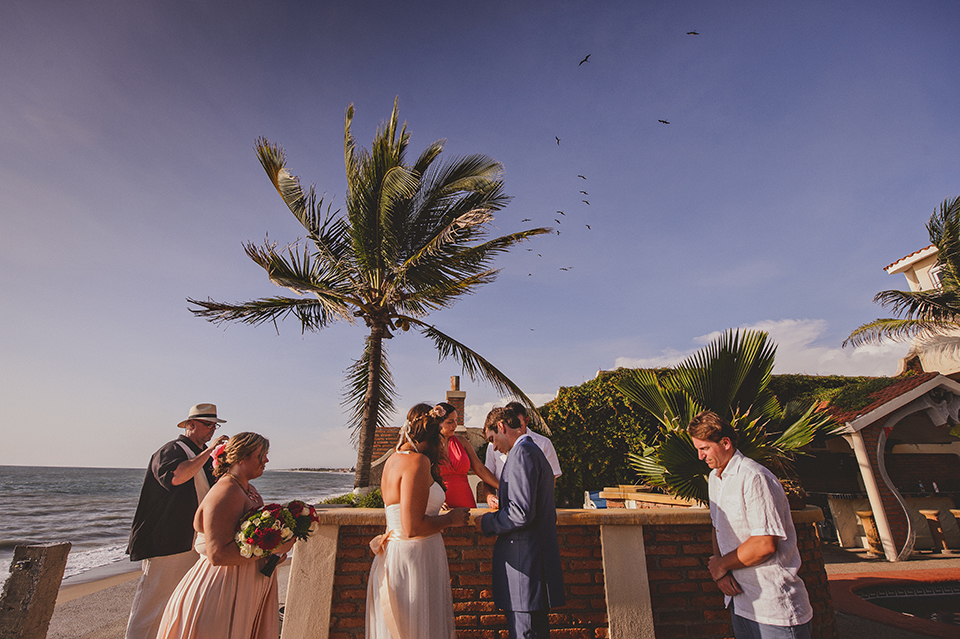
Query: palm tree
x=412, y=241
x=923, y=313
x=730, y=377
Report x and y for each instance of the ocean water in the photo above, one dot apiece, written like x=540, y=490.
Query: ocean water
x=93, y=508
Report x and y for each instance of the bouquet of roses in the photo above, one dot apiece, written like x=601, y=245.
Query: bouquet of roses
x=265, y=529
x=305, y=517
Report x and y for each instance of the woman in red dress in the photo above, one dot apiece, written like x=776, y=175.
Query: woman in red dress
x=460, y=459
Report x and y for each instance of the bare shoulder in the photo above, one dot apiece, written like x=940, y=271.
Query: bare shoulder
x=466, y=445
x=225, y=495
x=409, y=462
x=401, y=464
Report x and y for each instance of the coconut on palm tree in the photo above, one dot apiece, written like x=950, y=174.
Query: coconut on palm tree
x=930, y=313
x=730, y=376
x=413, y=240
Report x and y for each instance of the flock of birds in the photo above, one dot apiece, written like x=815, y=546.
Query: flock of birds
x=585, y=60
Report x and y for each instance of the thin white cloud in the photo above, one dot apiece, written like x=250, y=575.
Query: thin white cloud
x=475, y=414
x=797, y=351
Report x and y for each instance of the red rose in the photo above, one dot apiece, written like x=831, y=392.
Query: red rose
x=273, y=509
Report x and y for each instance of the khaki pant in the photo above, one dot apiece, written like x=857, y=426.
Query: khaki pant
x=160, y=578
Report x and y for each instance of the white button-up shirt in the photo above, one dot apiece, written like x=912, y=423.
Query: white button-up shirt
x=495, y=460
x=749, y=501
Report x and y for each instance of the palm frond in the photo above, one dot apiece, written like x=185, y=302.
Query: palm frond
x=472, y=363
x=934, y=305
x=944, y=230
x=302, y=274
x=899, y=330
x=433, y=268
x=312, y=314
x=669, y=404
x=355, y=390
x=442, y=295
x=800, y=424
x=675, y=467
x=731, y=373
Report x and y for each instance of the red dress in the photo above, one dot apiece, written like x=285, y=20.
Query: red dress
x=454, y=472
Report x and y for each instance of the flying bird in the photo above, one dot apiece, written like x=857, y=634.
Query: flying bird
x=586, y=59
x=584, y=192
x=588, y=226
x=663, y=122
x=580, y=176
x=692, y=33
x=526, y=219
x=565, y=269
x=585, y=202
x=561, y=212
x=556, y=220
x=558, y=140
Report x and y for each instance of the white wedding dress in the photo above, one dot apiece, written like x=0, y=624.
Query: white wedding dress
x=408, y=593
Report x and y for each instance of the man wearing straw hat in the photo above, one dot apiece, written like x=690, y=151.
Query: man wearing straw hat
x=179, y=476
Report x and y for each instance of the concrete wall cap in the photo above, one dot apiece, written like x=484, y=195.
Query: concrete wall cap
x=569, y=516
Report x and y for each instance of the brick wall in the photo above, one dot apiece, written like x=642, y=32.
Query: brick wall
x=384, y=439
x=685, y=601
x=907, y=470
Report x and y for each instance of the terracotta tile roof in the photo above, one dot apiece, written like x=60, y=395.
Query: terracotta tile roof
x=907, y=257
x=880, y=397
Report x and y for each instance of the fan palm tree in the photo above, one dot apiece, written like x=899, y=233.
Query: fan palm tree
x=923, y=313
x=730, y=377
x=413, y=240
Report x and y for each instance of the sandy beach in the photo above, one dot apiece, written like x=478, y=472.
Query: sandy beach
x=98, y=608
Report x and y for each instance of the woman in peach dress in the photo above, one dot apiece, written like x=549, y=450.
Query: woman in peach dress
x=224, y=596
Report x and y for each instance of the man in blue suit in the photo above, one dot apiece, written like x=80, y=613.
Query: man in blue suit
x=527, y=580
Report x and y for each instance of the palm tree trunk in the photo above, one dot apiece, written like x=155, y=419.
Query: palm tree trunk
x=371, y=409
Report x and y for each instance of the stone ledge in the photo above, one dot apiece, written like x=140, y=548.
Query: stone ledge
x=568, y=516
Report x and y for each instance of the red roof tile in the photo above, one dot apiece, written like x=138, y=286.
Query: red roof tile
x=906, y=257
x=881, y=397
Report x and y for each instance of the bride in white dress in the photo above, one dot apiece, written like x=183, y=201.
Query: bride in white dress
x=408, y=593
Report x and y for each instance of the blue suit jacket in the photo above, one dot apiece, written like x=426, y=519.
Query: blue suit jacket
x=526, y=557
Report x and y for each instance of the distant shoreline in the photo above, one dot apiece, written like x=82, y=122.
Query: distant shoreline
x=339, y=471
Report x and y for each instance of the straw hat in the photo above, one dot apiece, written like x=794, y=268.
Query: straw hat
x=203, y=412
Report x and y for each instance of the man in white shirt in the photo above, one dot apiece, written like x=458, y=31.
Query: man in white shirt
x=494, y=459
x=755, y=557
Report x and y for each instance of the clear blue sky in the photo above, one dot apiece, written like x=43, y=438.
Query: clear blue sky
x=808, y=144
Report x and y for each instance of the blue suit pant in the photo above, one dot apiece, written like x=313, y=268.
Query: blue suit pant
x=528, y=625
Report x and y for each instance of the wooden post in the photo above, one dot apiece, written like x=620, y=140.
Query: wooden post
x=30, y=592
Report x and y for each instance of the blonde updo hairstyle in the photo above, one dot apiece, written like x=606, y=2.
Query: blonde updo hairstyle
x=238, y=448
x=423, y=425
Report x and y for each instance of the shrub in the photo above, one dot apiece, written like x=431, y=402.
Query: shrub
x=593, y=430
x=372, y=499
